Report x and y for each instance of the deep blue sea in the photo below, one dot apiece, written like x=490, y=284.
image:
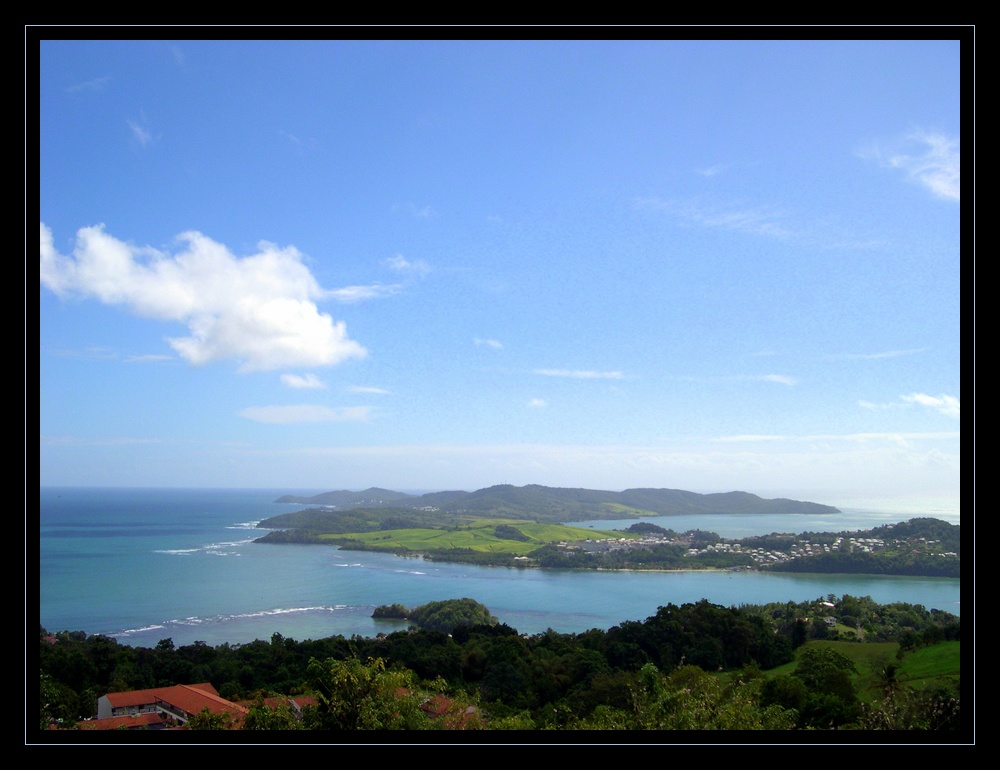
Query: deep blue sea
x=143, y=565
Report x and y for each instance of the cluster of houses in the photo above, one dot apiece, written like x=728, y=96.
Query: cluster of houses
x=798, y=549
x=171, y=708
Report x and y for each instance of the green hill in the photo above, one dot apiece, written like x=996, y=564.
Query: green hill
x=542, y=503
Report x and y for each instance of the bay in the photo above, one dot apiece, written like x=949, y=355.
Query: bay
x=143, y=565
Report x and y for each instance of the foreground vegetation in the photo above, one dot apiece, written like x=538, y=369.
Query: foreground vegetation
x=845, y=663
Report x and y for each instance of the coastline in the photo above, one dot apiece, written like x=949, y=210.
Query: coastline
x=195, y=538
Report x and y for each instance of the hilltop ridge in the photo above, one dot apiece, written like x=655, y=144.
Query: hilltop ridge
x=565, y=503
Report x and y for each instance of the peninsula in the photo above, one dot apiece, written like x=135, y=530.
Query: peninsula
x=531, y=527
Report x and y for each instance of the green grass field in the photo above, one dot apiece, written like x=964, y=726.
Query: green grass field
x=937, y=664
x=627, y=510
x=478, y=536
x=933, y=665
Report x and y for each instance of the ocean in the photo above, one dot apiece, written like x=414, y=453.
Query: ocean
x=142, y=565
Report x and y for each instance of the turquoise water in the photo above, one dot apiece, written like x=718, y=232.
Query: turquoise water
x=146, y=564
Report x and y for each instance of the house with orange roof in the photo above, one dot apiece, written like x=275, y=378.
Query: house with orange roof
x=295, y=702
x=147, y=720
x=179, y=702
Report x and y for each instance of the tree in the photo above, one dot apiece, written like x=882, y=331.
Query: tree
x=206, y=720
x=691, y=699
x=363, y=696
x=444, y=616
x=260, y=716
x=832, y=699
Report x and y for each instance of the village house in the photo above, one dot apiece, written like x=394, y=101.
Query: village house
x=178, y=703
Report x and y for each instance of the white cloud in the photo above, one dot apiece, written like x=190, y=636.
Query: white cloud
x=114, y=441
x=368, y=389
x=946, y=405
x=350, y=294
x=258, y=310
x=400, y=264
x=718, y=168
x=874, y=356
x=303, y=413
x=302, y=382
x=894, y=438
x=537, y=403
x=580, y=374
x=423, y=212
x=306, y=144
x=97, y=84
x=149, y=358
x=495, y=344
x=755, y=221
x=781, y=379
x=90, y=354
x=930, y=159
x=141, y=135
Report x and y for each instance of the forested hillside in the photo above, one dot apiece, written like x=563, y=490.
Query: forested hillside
x=540, y=503
x=829, y=663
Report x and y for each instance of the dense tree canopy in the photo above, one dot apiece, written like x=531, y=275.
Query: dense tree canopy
x=691, y=662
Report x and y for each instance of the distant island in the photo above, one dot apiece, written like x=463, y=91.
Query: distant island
x=508, y=526
x=541, y=503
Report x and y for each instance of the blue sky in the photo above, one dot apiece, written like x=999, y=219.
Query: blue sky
x=445, y=265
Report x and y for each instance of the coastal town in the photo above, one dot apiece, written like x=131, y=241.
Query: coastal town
x=777, y=548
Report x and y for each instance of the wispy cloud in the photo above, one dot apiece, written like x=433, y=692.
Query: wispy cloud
x=848, y=437
x=351, y=294
x=305, y=413
x=368, y=389
x=949, y=406
x=946, y=405
x=490, y=343
x=537, y=403
x=302, y=382
x=421, y=212
x=400, y=264
x=97, y=84
x=718, y=168
x=96, y=353
x=872, y=406
x=259, y=310
x=141, y=135
x=781, y=379
x=579, y=374
x=149, y=358
x=763, y=222
x=110, y=441
x=873, y=356
x=306, y=144
x=752, y=220
x=932, y=160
